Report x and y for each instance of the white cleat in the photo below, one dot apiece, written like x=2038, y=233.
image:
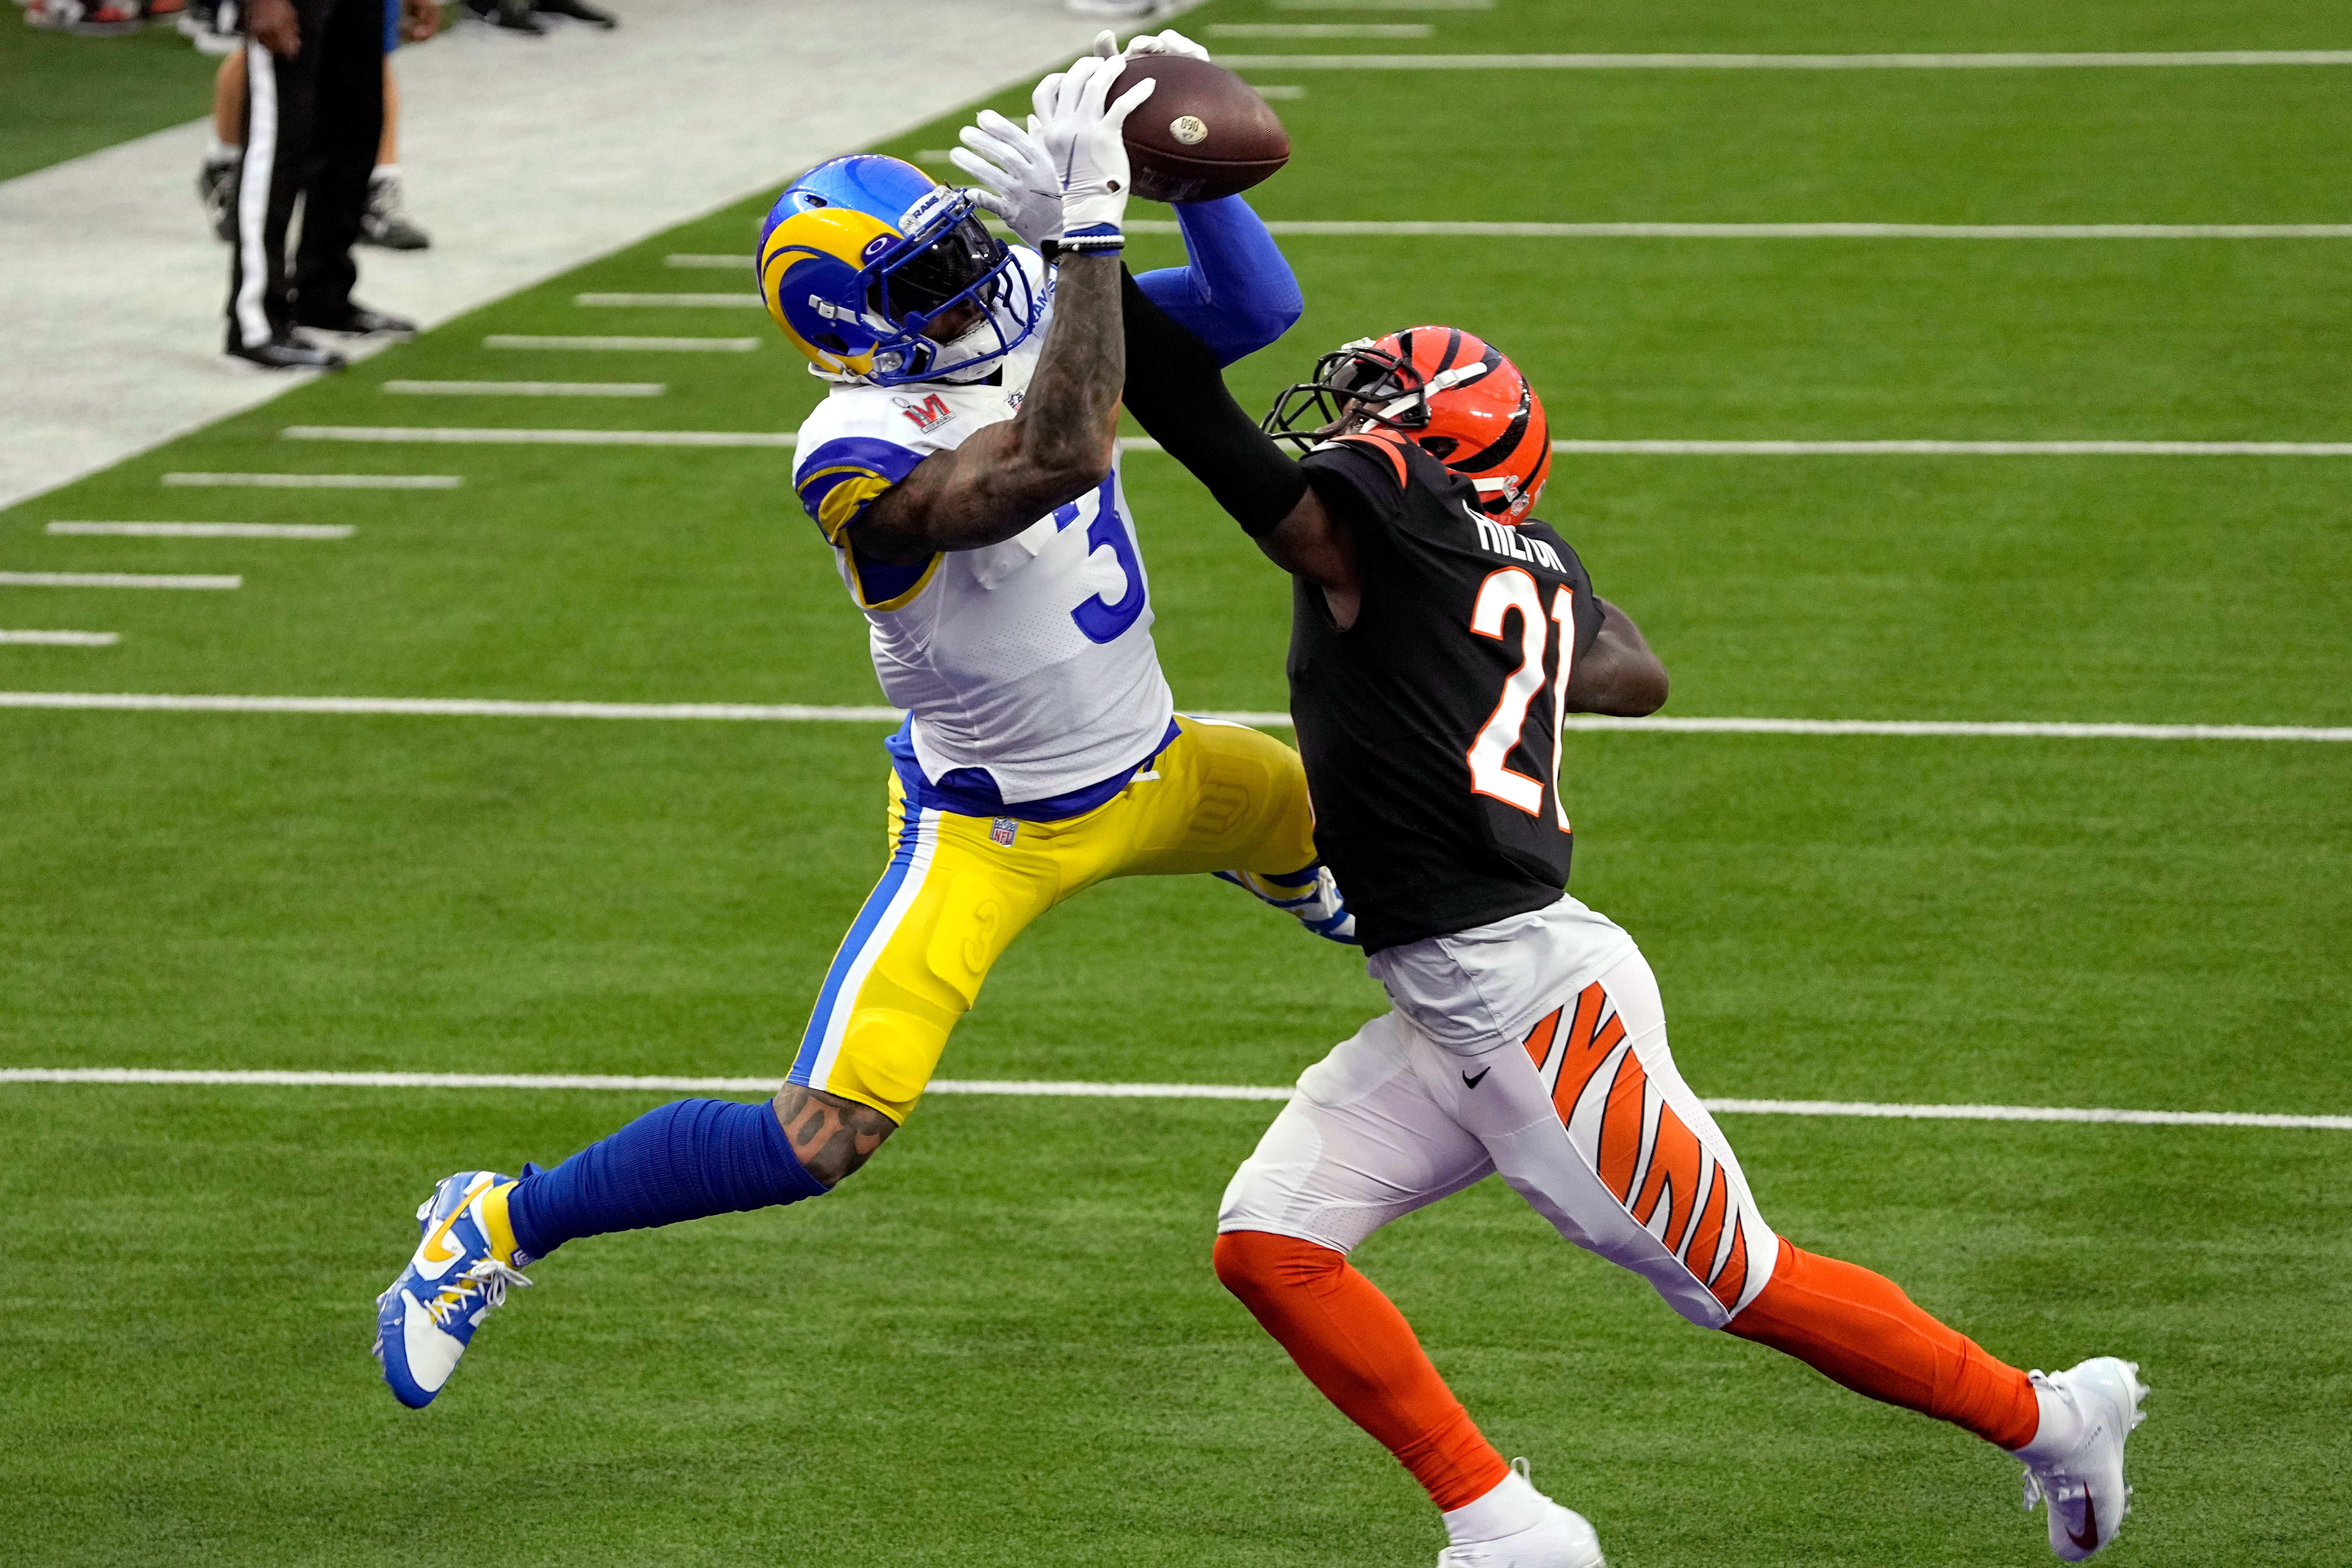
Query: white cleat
x=1561, y=1537
x=2084, y=1485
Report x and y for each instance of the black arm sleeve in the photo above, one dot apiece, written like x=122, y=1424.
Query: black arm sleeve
x=1177, y=393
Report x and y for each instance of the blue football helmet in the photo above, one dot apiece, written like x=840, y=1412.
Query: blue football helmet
x=863, y=255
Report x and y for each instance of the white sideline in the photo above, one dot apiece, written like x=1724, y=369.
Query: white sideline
x=528, y=388
x=771, y=713
x=2087, y=59
x=322, y=481
x=624, y=345
x=115, y=579
x=1082, y=1090
x=204, y=530
x=1469, y=229
x=456, y=435
x=61, y=639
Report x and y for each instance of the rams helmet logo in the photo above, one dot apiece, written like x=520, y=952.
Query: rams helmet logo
x=862, y=255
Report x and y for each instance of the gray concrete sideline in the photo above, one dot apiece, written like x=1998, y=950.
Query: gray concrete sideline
x=522, y=157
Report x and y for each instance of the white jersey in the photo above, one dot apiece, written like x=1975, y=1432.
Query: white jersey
x=1031, y=660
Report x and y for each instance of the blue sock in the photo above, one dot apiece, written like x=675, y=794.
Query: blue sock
x=689, y=1159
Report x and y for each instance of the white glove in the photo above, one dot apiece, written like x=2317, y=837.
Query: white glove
x=1017, y=176
x=1170, y=42
x=1082, y=135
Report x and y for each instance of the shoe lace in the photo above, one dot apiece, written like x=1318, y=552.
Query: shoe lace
x=487, y=1278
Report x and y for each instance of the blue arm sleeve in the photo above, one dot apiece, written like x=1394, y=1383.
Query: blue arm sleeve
x=1238, y=295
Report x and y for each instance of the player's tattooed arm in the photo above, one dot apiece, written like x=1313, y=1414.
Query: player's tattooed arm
x=1618, y=673
x=1012, y=473
x=830, y=1136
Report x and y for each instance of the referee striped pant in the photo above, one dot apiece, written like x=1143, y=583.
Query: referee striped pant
x=311, y=124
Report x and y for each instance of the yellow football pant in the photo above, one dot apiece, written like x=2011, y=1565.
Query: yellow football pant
x=1220, y=797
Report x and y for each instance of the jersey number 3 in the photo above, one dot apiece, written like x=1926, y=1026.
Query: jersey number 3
x=1099, y=619
x=1507, y=593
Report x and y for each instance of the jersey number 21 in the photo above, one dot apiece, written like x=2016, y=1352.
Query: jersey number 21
x=1505, y=592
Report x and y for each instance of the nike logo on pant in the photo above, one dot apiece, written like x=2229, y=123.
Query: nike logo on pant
x=1469, y=1082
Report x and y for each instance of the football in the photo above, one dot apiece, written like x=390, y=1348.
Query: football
x=1201, y=134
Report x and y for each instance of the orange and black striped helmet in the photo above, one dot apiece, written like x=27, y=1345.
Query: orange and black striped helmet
x=1455, y=396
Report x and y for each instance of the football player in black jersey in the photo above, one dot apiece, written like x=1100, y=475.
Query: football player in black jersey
x=1440, y=636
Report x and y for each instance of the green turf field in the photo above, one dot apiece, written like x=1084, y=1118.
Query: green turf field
x=62, y=96
x=1001, y=1343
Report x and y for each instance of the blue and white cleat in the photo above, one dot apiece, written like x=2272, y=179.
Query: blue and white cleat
x=1312, y=895
x=461, y=1270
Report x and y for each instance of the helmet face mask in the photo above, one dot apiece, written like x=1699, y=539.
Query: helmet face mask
x=879, y=274
x=1355, y=386
x=1443, y=390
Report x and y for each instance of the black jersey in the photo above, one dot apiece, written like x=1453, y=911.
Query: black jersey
x=1430, y=727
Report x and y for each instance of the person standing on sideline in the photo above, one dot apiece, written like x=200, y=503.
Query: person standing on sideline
x=384, y=222
x=313, y=117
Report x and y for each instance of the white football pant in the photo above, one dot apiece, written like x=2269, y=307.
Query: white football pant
x=1535, y=1047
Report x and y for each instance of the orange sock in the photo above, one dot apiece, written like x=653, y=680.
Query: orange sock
x=1354, y=1345
x=1859, y=1329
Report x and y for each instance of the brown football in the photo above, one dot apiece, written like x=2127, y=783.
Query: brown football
x=1203, y=132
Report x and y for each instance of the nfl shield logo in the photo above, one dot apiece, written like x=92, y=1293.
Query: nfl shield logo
x=1003, y=830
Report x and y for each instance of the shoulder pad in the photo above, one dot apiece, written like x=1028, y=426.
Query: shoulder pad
x=1389, y=446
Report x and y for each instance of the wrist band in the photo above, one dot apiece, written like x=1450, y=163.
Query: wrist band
x=1095, y=239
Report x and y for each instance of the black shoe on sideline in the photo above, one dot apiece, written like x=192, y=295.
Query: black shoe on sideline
x=510, y=15
x=355, y=319
x=216, y=189
x=284, y=351
x=578, y=10
x=385, y=222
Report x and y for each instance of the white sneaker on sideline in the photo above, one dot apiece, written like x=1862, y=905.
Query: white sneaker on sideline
x=2085, y=1486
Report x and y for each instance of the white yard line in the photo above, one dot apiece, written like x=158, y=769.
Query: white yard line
x=204, y=530
x=498, y=436
x=321, y=481
x=2087, y=60
x=1082, y=1091
x=1320, y=29
x=667, y=302
x=478, y=436
x=623, y=345
x=528, y=388
x=2032, y=729
x=61, y=639
x=793, y=713
x=115, y=579
x=1961, y=448
x=1408, y=229
x=449, y=707
x=1384, y=4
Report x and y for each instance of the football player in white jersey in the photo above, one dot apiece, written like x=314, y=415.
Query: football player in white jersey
x=964, y=468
